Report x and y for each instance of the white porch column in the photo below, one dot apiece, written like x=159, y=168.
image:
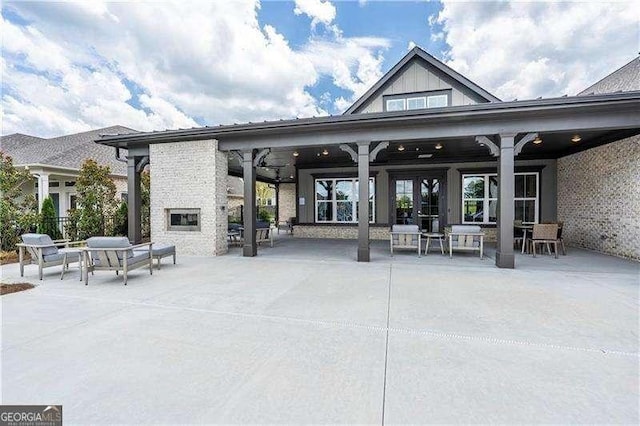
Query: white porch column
x=43, y=189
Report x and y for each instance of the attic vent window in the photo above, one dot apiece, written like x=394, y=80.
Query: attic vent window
x=413, y=101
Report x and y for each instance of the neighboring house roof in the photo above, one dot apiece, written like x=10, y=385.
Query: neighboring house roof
x=68, y=151
x=624, y=79
x=417, y=54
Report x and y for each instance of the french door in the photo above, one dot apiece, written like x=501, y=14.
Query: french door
x=419, y=199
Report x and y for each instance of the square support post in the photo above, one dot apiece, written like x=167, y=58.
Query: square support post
x=134, y=201
x=250, y=247
x=277, y=204
x=43, y=189
x=363, y=205
x=505, y=254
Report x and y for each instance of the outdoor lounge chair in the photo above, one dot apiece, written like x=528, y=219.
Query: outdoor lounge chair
x=545, y=233
x=405, y=237
x=45, y=252
x=466, y=238
x=115, y=254
x=264, y=233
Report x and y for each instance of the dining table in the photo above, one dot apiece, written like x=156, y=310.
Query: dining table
x=525, y=229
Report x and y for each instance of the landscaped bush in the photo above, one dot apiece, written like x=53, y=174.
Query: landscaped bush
x=96, y=201
x=121, y=221
x=48, y=220
x=18, y=212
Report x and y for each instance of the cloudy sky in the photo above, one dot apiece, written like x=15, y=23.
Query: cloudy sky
x=70, y=67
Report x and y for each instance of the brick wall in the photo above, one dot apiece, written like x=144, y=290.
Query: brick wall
x=599, y=198
x=287, y=201
x=190, y=175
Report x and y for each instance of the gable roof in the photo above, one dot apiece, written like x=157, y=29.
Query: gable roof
x=68, y=151
x=624, y=79
x=418, y=54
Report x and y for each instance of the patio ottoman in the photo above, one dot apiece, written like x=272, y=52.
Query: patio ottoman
x=163, y=250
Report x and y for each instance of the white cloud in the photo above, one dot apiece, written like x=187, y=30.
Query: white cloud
x=153, y=66
x=527, y=50
x=320, y=11
x=411, y=45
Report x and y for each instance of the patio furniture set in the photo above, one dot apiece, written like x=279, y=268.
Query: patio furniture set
x=460, y=238
x=95, y=254
x=471, y=238
x=264, y=234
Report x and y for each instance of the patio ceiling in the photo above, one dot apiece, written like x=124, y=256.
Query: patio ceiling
x=280, y=164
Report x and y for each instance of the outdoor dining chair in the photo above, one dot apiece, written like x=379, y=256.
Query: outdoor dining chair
x=545, y=233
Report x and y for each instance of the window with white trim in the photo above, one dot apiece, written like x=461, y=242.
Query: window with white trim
x=336, y=200
x=480, y=197
x=416, y=102
x=396, y=105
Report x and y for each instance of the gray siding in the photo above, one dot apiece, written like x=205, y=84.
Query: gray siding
x=548, y=199
x=417, y=78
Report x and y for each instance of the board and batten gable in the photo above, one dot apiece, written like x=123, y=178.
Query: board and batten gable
x=417, y=77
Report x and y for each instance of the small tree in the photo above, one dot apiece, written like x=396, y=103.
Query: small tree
x=48, y=220
x=96, y=200
x=18, y=212
x=121, y=225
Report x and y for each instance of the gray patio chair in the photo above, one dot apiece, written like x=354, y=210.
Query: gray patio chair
x=545, y=233
x=466, y=238
x=264, y=235
x=405, y=237
x=115, y=254
x=45, y=252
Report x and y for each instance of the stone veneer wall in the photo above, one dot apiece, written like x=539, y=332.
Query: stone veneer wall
x=599, y=198
x=338, y=232
x=190, y=175
x=287, y=201
x=375, y=232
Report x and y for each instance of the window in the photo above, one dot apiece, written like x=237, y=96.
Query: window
x=73, y=201
x=413, y=101
x=416, y=103
x=395, y=105
x=480, y=198
x=337, y=200
x=437, y=101
x=183, y=219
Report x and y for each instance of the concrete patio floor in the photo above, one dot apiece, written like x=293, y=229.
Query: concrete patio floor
x=303, y=334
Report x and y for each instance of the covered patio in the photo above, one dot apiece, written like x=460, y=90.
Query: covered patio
x=496, y=142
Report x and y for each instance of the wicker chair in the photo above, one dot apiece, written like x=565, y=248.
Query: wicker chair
x=405, y=237
x=545, y=233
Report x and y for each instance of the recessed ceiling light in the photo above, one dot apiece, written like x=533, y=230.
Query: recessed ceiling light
x=318, y=154
x=537, y=140
x=401, y=148
x=325, y=152
x=291, y=177
x=296, y=153
x=576, y=138
x=439, y=146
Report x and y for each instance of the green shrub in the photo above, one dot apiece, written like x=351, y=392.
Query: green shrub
x=121, y=222
x=49, y=220
x=264, y=215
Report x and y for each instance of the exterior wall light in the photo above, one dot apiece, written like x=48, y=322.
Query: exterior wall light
x=576, y=138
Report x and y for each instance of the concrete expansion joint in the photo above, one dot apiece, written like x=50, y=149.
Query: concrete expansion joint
x=387, y=330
